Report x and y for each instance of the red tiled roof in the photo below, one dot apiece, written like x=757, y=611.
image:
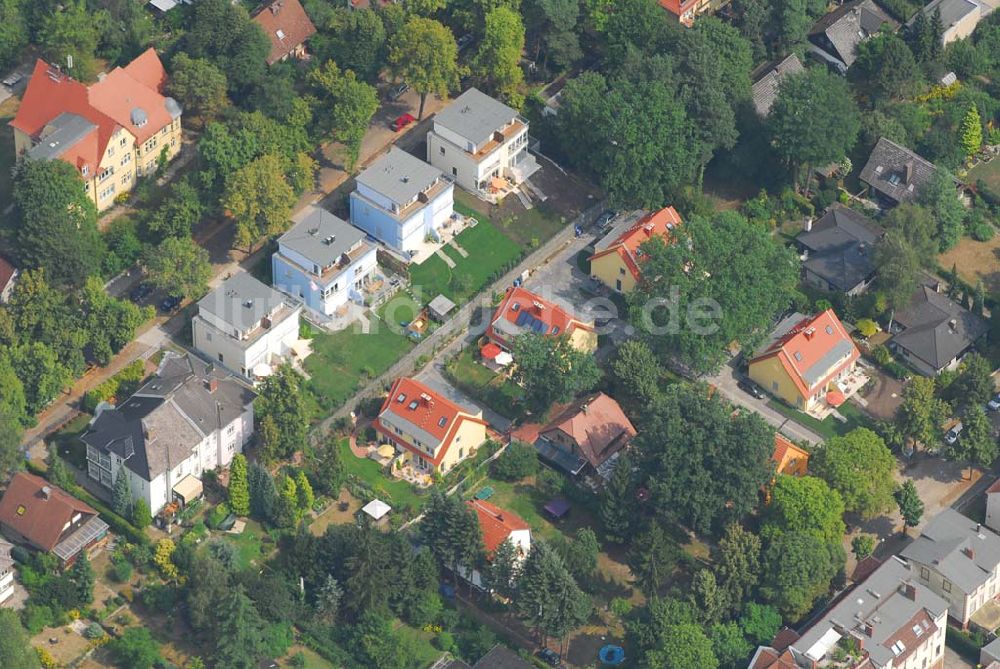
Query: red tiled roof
x=40, y=521
x=6, y=272
x=496, y=523
x=658, y=224
x=782, y=446
x=108, y=104
x=520, y=301
x=433, y=413
x=806, y=344
x=769, y=658
x=286, y=24
x=597, y=425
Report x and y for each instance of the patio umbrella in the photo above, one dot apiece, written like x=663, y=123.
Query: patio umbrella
x=386, y=451
x=490, y=351
x=835, y=398
x=263, y=370
x=504, y=359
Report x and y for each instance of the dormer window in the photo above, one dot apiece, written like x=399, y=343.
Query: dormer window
x=85, y=170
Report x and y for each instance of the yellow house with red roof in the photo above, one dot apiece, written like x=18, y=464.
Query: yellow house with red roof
x=112, y=131
x=429, y=430
x=617, y=258
x=789, y=459
x=805, y=360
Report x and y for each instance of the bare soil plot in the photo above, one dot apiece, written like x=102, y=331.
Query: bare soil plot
x=975, y=261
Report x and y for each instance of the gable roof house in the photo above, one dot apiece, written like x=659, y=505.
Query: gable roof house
x=287, y=26
x=523, y=312
x=188, y=418
x=959, y=559
x=8, y=277
x=112, y=131
x=586, y=436
x=499, y=657
x=836, y=36
x=889, y=621
x=497, y=526
x=958, y=17
x=617, y=257
x=765, y=90
x=477, y=139
x=789, y=459
x=934, y=332
x=685, y=11
x=246, y=326
x=429, y=431
x=401, y=201
x=807, y=360
x=838, y=250
x=896, y=174
x=47, y=518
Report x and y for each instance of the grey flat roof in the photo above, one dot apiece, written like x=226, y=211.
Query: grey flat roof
x=475, y=116
x=322, y=237
x=952, y=11
x=242, y=301
x=399, y=176
x=441, y=305
x=67, y=130
x=943, y=544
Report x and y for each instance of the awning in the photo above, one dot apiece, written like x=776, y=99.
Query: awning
x=376, y=509
x=504, y=359
x=835, y=398
x=490, y=351
x=188, y=489
x=263, y=370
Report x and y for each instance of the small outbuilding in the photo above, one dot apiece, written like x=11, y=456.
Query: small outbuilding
x=376, y=510
x=440, y=307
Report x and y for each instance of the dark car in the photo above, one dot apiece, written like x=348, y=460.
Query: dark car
x=140, y=292
x=603, y=222
x=549, y=657
x=397, y=91
x=748, y=386
x=169, y=303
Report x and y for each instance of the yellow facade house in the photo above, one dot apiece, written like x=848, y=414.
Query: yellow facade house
x=113, y=131
x=617, y=259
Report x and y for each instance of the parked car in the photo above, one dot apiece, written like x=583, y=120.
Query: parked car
x=951, y=436
x=994, y=404
x=397, y=91
x=13, y=80
x=402, y=121
x=603, y=221
x=140, y=292
x=749, y=387
x=549, y=657
x=170, y=303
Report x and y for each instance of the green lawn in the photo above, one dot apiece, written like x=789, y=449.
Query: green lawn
x=67, y=441
x=339, y=361
x=498, y=393
x=533, y=227
x=829, y=427
x=248, y=544
x=988, y=172
x=527, y=501
x=489, y=251
x=419, y=645
x=390, y=491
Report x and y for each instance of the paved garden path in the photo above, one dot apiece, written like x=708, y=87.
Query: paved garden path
x=462, y=252
x=444, y=256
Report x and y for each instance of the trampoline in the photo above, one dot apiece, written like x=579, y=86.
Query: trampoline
x=612, y=655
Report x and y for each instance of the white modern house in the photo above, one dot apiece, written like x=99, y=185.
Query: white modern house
x=246, y=326
x=476, y=139
x=190, y=417
x=402, y=201
x=324, y=262
x=6, y=572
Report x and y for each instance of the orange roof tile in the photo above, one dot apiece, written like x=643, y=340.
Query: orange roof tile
x=809, y=343
x=657, y=224
x=597, y=425
x=785, y=451
x=496, y=523
x=521, y=308
x=148, y=70
x=420, y=407
x=25, y=509
x=6, y=272
x=286, y=24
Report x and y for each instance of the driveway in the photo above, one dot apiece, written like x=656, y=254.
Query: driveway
x=953, y=660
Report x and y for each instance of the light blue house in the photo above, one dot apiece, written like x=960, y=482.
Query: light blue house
x=323, y=261
x=402, y=201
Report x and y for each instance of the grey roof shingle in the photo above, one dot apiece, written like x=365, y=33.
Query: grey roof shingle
x=501, y=657
x=158, y=426
x=851, y=24
x=322, y=237
x=399, y=176
x=896, y=172
x=765, y=90
x=60, y=134
x=475, y=116
x=841, y=247
x=952, y=11
x=936, y=329
x=963, y=551
x=242, y=301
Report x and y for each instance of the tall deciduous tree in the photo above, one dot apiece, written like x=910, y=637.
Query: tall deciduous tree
x=737, y=565
x=814, y=119
x=350, y=103
x=239, y=486
x=636, y=374
x=799, y=567
x=976, y=446
x=178, y=266
x=199, y=86
x=259, y=198
x=940, y=195
x=804, y=504
x=498, y=62
x=281, y=400
x=887, y=66
x=921, y=412
x=860, y=467
x=136, y=648
x=15, y=646
x=55, y=222
x=424, y=55
x=70, y=34
x=552, y=370
x=911, y=507
x=681, y=646
x=13, y=31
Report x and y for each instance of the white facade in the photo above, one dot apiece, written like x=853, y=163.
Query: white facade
x=522, y=542
x=472, y=165
x=403, y=226
x=993, y=508
x=242, y=354
x=322, y=291
x=6, y=583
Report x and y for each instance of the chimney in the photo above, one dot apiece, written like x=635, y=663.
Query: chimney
x=861, y=248
x=46, y=492
x=938, y=287
x=953, y=323
x=908, y=173
x=969, y=553
x=869, y=630
x=910, y=591
x=809, y=333
x=807, y=225
x=213, y=385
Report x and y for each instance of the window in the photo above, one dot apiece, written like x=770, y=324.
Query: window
x=208, y=336
x=220, y=357
x=946, y=585
x=621, y=271
x=401, y=398
x=443, y=421
x=441, y=150
x=231, y=429
x=126, y=159
x=105, y=173
x=925, y=574
x=618, y=285
x=111, y=150
x=20, y=509
x=85, y=170
x=164, y=131
x=122, y=142
x=454, y=171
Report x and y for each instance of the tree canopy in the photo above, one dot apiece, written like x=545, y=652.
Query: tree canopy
x=860, y=467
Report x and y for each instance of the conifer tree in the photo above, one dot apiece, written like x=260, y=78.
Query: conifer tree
x=121, y=495
x=971, y=131
x=618, y=505
x=304, y=493
x=239, y=486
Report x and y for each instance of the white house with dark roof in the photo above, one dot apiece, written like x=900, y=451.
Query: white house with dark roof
x=246, y=326
x=477, y=138
x=190, y=417
x=324, y=261
x=959, y=559
x=835, y=37
x=402, y=201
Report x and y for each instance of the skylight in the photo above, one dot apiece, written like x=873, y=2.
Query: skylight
x=413, y=405
x=443, y=421
x=401, y=398
x=829, y=329
x=798, y=356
